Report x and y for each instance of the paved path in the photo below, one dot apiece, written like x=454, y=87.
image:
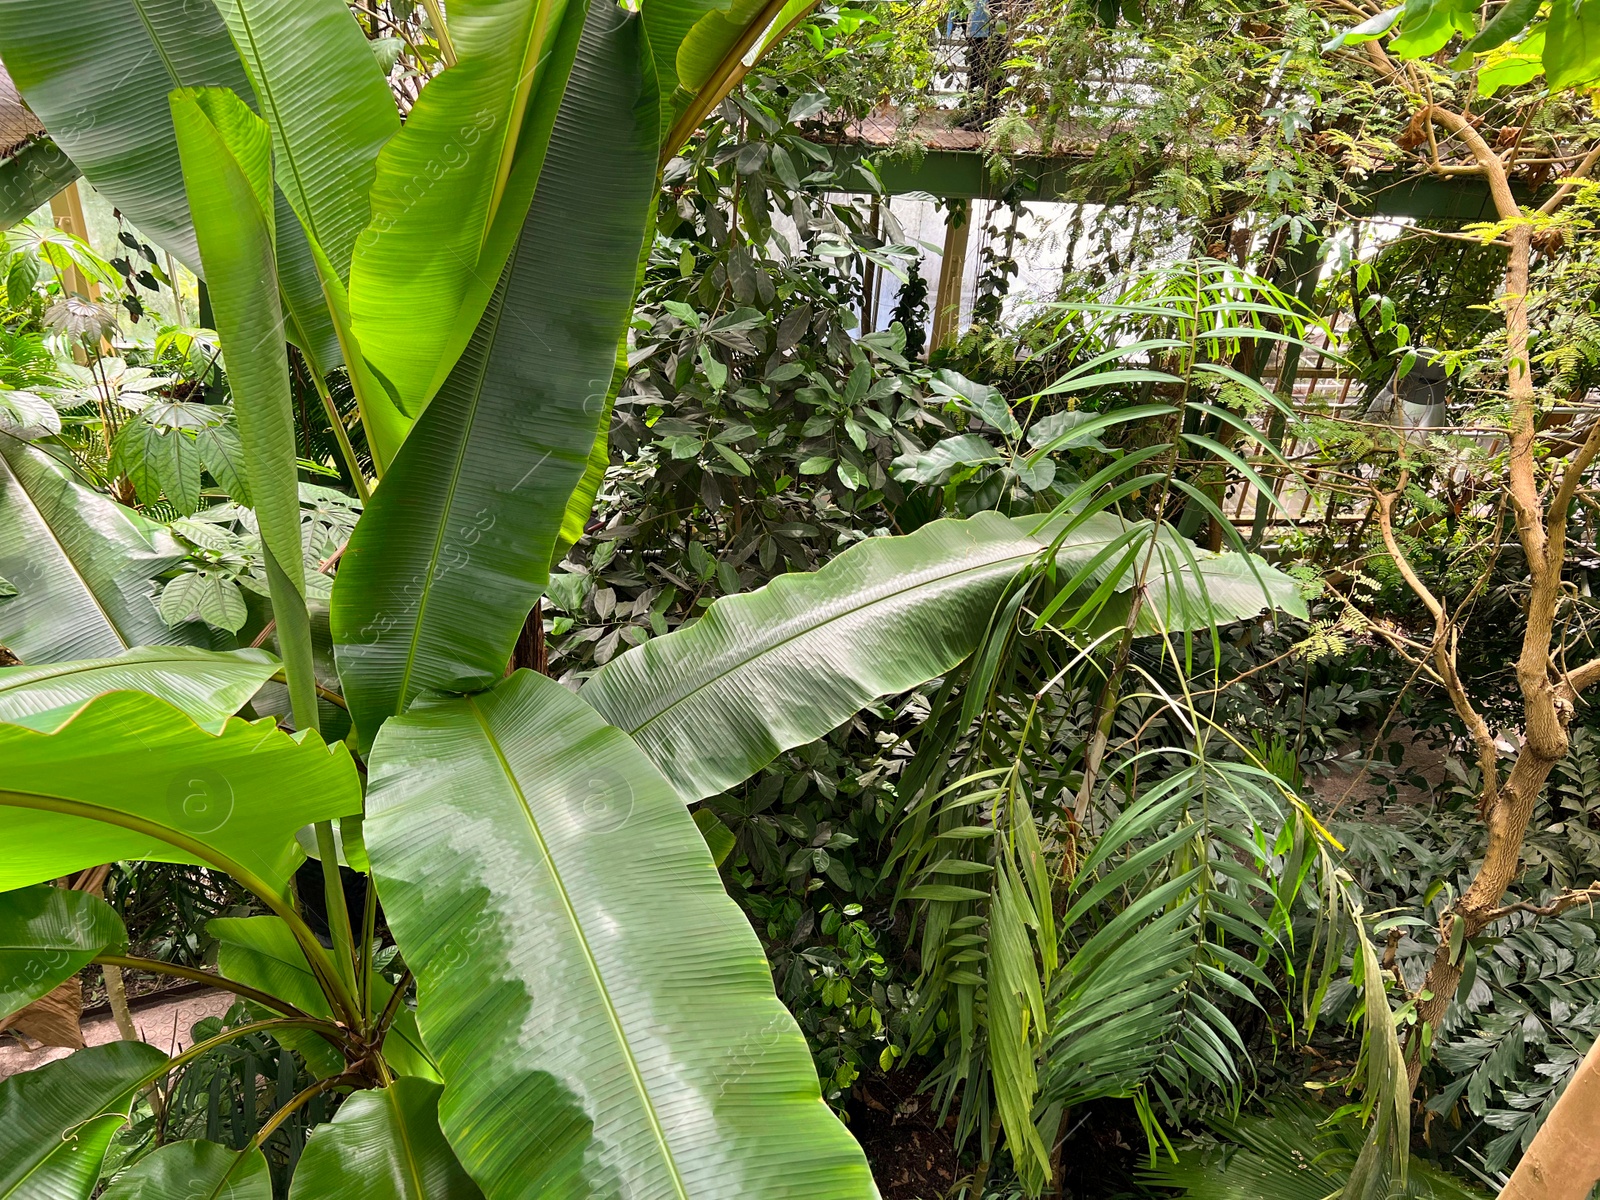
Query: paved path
x=163, y=1023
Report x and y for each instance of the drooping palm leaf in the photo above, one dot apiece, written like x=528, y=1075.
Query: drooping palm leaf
x=83, y=565
x=207, y=685
x=1289, y=1153
x=384, y=1145
x=176, y=789
x=453, y=186
x=227, y=166
x=56, y=1122
x=47, y=935
x=601, y=1012
x=455, y=546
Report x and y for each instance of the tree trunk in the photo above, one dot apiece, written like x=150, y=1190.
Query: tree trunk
x=1564, y=1161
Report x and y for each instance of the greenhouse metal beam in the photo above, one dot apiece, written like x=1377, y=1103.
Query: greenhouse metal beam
x=965, y=175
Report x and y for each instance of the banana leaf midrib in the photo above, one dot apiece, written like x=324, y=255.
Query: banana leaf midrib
x=263, y=88
x=464, y=438
x=742, y=655
x=155, y=42
x=588, y=952
x=66, y=557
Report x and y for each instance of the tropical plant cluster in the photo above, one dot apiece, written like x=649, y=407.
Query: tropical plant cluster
x=483, y=587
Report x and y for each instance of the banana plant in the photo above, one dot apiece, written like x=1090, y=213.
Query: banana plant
x=571, y=1005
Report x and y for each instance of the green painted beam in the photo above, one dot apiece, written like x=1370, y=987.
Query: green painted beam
x=964, y=175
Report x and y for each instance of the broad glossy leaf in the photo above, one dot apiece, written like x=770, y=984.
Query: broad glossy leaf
x=698, y=47
x=1571, y=44
x=455, y=547
x=242, y=794
x=262, y=952
x=83, y=565
x=227, y=165
x=782, y=666
x=99, y=82
x=56, y=1121
x=453, y=186
x=384, y=1144
x=100, y=85
x=330, y=111
x=321, y=92
x=194, y=1171
x=47, y=935
x=601, y=1011
x=667, y=23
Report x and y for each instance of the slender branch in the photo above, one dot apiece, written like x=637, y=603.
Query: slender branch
x=326, y=1029
x=1443, y=650
x=393, y=1006
x=349, y=1079
x=1568, y=899
x=1499, y=184
x=1571, y=182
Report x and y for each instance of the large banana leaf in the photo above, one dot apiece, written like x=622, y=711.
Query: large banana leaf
x=262, y=953
x=702, y=48
x=227, y=169
x=47, y=935
x=453, y=186
x=331, y=112
x=207, y=685
x=182, y=794
x=83, y=565
x=56, y=1122
x=384, y=1145
x=194, y=1171
x=782, y=666
x=779, y=667
x=600, y=1009
x=99, y=82
x=321, y=91
x=455, y=547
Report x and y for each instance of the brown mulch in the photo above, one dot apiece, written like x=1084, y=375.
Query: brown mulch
x=911, y=1151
